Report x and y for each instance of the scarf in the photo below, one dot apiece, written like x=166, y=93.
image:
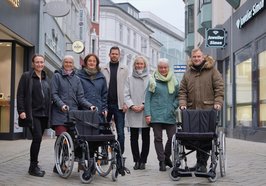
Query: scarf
x=170, y=79
x=68, y=72
x=91, y=73
x=139, y=75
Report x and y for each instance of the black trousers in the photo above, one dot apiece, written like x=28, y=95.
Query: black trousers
x=138, y=156
x=37, y=130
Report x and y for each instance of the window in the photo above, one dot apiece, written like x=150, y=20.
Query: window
x=134, y=40
x=190, y=19
x=244, y=89
x=128, y=36
x=143, y=45
x=121, y=33
x=262, y=88
x=94, y=11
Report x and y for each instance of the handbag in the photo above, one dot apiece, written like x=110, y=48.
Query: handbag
x=27, y=122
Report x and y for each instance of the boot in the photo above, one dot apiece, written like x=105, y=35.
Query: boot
x=162, y=166
x=35, y=170
x=168, y=162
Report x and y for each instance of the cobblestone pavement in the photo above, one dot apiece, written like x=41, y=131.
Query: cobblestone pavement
x=246, y=166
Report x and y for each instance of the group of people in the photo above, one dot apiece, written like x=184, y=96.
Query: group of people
x=139, y=100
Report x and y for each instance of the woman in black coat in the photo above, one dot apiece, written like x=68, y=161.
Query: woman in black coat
x=33, y=103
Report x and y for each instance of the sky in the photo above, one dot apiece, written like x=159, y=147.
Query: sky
x=171, y=11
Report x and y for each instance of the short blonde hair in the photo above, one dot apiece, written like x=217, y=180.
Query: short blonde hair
x=140, y=57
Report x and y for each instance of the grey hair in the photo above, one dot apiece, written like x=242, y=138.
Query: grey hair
x=164, y=61
x=68, y=57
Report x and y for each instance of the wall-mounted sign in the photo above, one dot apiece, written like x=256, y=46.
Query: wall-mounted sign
x=56, y=8
x=180, y=68
x=78, y=47
x=215, y=37
x=15, y=3
x=253, y=11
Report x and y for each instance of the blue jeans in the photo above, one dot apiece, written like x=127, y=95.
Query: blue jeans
x=119, y=118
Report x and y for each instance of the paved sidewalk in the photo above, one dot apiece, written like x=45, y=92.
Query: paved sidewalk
x=246, y=167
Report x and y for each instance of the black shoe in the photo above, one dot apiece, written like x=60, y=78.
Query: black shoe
x=55, y=170
x=136, y=166
x=201, y=168
x=35, y=170
x=162, y=166
x=194, y=168
x=142, y=166
x=168, y=162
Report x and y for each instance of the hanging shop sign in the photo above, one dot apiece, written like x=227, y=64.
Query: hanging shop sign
x=252, y=12
x=215, y=37
x=78, y=47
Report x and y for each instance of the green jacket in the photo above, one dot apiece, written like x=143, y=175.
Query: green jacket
x=161, y=105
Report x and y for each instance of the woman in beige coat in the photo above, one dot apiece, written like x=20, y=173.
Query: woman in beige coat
x=134, y=99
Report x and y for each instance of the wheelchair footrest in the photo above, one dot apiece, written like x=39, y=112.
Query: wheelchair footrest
x=184, y=173
x=204, y=175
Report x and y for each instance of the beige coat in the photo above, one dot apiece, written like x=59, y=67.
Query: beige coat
x=201, y=89
x=122, y=74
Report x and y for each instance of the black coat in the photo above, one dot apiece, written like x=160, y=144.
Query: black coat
x=24, y=97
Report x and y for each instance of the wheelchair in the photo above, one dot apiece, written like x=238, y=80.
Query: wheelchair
x=198, y=130
x=91, y=144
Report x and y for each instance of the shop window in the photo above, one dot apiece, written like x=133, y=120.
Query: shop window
x=262, y=88
x=5, y=82
x=244, y=93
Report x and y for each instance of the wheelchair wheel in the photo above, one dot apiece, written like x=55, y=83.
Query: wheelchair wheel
x=86, y=166
x=213, y=176
x=104, y=158
x=222, y=153
x=114, y=172
x=64, y=155
x=86, y=177
x=174, y=174
x=175, y=159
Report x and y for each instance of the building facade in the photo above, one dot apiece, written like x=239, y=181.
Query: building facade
x=120, y=26
x=172, y=40
x=28, y=27
x=18, y=41
x=242, y=60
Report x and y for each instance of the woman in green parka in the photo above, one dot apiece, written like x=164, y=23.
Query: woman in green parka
x=160, y=105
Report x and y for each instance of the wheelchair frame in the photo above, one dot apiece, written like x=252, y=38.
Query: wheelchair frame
x=180, y=152
x=71, y=147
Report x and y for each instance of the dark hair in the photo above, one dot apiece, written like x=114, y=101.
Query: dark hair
x=36, y=55
x=87, y=58
x=114, y=48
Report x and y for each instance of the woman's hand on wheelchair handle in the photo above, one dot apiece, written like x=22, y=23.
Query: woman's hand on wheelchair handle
x=183, y=107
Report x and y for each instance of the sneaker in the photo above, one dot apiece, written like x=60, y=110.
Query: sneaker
x=201, y=168
x=168, y=162
x=162, y=166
